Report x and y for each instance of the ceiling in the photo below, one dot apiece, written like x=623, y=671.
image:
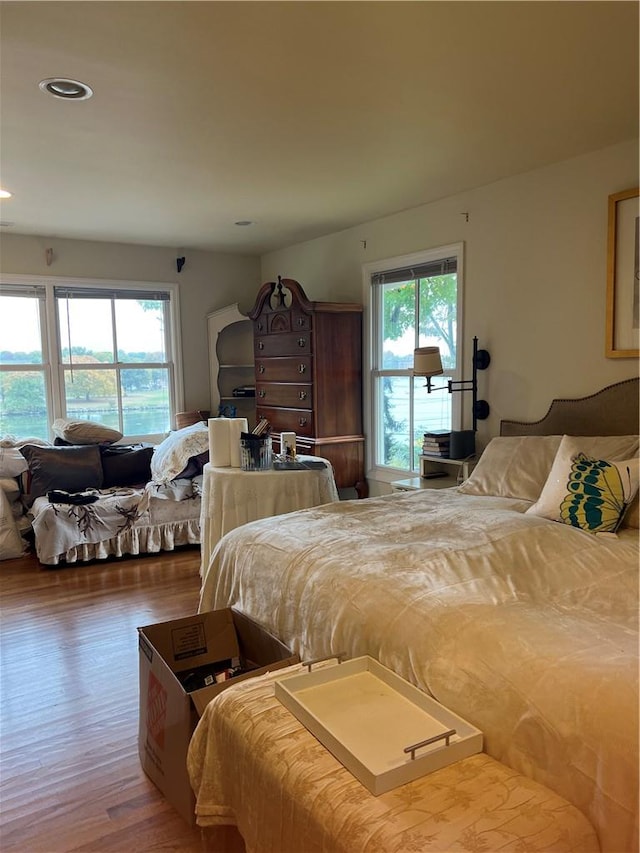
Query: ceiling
x=304, y=117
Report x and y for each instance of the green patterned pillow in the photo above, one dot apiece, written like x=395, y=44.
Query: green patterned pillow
x=592, y=494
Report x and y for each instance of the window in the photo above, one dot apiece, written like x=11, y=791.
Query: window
x=25, y=398
x=90, y=351
x=415, y=301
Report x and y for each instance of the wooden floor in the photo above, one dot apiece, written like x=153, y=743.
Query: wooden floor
x=70, y=776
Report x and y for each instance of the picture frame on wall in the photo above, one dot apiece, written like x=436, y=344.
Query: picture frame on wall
x=623, y=284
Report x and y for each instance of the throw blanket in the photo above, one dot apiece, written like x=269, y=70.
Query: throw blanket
x=59, y=528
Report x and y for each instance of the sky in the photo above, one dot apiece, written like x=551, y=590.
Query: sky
x=138, y=330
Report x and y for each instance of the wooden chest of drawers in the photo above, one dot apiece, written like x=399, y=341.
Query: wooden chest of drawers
x=308, y=363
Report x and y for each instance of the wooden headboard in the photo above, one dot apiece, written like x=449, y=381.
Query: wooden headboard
x=611, y=411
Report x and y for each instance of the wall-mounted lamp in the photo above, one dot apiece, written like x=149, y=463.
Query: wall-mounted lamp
x=427, y=363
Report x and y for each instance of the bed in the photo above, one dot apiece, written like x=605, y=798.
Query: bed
x=526, y=627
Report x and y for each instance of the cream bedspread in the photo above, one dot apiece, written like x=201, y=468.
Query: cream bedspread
x=253, y=764
x=525, y=627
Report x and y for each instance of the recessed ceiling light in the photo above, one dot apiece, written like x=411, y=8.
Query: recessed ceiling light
x=5, y=194
x=63, y=87
x=243, y=222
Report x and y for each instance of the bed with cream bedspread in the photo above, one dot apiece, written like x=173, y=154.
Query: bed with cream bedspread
x=525, y=627
x=487, y=596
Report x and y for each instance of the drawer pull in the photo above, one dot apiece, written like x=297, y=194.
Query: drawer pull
x=302, y=395
x=262, y=393
x=301, y=321
x=302, y=421
x=261, y=368
x=302, y=368
x=260, y=345
x=302, y=342
x=260, y=327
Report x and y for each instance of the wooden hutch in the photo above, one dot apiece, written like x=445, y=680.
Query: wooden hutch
x=308, y=369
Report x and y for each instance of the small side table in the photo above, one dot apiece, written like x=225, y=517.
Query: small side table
x=231, y=497
x=455, y=471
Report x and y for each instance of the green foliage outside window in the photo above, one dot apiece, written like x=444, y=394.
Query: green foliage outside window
x=435, y=315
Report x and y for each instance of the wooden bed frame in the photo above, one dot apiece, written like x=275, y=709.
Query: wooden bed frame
x=614, y=410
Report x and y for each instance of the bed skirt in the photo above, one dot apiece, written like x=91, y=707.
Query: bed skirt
x=120, y=522
x=138, y=540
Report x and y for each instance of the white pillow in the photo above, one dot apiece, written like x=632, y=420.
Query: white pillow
x=12, y=462
x=587, y=491
x=518, y=466
x=84, y=432
x=171, y=456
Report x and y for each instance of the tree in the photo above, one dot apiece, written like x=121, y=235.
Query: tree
x=437, y=305
x=22, y=392
x=395, y=453
x=437, y=311
x=84, y=384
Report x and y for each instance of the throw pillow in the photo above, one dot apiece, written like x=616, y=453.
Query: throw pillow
x=71, y=469
x=126, y=466
x=586, y=492
x=84, y=432
x=171, y=457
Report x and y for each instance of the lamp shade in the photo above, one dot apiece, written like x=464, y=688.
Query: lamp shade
x=427, y=362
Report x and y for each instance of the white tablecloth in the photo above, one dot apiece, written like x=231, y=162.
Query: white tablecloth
x=231, y=497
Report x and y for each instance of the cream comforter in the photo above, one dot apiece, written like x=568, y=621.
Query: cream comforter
x=525, y=627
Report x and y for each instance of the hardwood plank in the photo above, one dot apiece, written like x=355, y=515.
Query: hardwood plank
x=70, y=777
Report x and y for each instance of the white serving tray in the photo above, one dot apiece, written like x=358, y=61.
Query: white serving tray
x=375, y=723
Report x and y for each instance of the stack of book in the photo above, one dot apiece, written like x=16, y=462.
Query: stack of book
x=436, y=443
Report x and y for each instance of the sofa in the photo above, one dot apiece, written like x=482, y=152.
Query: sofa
x=88, y=496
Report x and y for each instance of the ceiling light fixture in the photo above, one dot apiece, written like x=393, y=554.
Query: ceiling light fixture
x=64, y=87
x=243, y=222
x=5, y=194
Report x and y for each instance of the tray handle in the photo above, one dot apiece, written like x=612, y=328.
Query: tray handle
x=340, y=656
x=415, y=746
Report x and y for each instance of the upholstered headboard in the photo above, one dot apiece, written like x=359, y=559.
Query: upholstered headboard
x=612, y=411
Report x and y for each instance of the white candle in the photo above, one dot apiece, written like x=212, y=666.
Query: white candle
x=219, y=446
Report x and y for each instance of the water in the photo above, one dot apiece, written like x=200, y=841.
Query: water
x=142, y=420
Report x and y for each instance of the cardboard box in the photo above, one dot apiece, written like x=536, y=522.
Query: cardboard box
x=175, y=658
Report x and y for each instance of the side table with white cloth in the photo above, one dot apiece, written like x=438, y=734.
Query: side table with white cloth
x=231, y=497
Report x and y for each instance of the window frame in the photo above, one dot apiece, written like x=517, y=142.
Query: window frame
x=52, y=364
x=372, y=372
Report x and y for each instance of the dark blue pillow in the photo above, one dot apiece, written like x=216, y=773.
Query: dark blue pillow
x=125, y=465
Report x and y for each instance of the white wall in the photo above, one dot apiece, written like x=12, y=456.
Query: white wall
x=535, y=263
x=208, y=281
x=535, y=275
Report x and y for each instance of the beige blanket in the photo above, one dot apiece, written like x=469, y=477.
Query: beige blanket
x=253, y=764
x=525, y=627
